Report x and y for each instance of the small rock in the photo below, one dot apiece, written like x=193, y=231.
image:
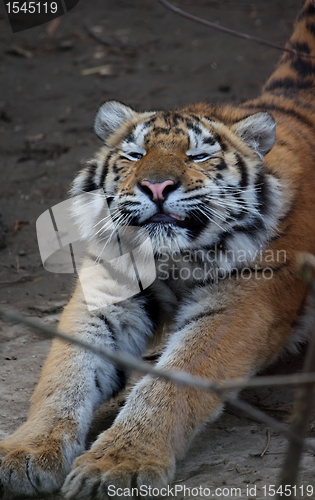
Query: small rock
x=66, y=45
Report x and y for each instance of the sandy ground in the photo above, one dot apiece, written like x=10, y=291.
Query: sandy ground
x=47, y=108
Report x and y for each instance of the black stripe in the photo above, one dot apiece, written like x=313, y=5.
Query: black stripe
x=195, y=117
x=178, y=131
x=89, y=183
x=232, y=190
x=98, y=385
x=238, y=215
x=152, y=306
x=34, y=479
x=152, y=357
x=150, y=121
x=308, y=11
x=116, y=169
x=161, y=130
x=130, y=137
x=219, y=140
x=197, y=197
x=177, y=118
x=119, y=241
x=136, y=271
x=301, y=47
x=227, y=237
x=121, y=382
x=207, y=314
x=117, y=276
x=262, y=192
x=195, y=189
x=121, y=379
x=196, y=229
x=284, y=144
x=109, y=200
x=310, y=28
x=280, y=109
x=105, y=168
x=257, y=225
x=193, y=126
x=129, y=203
x=209, y=140
x=303, y=67
x=121, y=375
x=243, y=171
x=110, y=328
x=222, y=165
x=289, y=84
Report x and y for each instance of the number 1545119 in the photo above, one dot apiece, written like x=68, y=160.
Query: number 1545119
x=32, y=7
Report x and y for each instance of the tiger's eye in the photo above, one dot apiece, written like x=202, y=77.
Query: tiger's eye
x=135, y=155
x=200, y=157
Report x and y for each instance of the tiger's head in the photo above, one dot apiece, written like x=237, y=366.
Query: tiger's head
x=191, y=181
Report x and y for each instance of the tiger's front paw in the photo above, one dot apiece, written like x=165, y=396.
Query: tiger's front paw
x=106, y=473
x=30, y=471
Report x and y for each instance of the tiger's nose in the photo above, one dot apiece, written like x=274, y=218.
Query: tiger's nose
x=158, y=190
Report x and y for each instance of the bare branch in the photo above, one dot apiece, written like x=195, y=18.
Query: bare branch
x=229, y=31
x=267, y=444
x=260, y=416
x=305, y=393
x=129, y=362
x=105, y=40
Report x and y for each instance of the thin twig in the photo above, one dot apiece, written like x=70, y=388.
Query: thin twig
x=304, y=395
x=260, y=416
x=267, y=445
x=21, y=279
x=229, y=31
x=105, y=40
x=129, y=362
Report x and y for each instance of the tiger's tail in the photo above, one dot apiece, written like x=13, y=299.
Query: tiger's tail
x=296, y=73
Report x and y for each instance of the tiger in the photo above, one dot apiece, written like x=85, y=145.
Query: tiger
x=224, y=197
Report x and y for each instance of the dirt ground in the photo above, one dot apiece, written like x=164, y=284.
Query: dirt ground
x=48, y=102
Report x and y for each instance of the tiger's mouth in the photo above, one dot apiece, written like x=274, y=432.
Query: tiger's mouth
x=174, y=219
x=162, y=218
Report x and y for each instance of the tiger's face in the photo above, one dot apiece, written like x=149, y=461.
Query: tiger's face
x=190, y=181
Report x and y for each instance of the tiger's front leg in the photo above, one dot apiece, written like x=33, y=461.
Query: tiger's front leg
x=74, y=382
x=160, y=418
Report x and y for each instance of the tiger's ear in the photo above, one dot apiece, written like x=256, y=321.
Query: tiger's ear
x=110, y=117
x=258, y=131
